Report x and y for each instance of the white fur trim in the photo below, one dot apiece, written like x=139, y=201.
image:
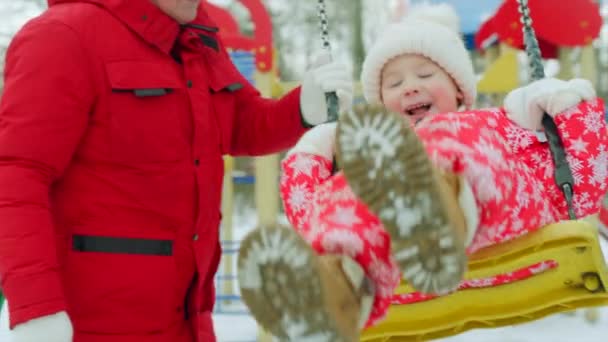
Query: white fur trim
x=417, y=35
x=466, y=200
x=52, y=328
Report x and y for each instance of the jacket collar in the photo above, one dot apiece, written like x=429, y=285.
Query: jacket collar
x=148, y=21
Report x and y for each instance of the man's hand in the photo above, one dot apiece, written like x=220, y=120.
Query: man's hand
x=51, y=328
x=324, y=77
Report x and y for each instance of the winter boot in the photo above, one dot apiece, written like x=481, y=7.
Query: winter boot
x=387, y=167
x=297, y=295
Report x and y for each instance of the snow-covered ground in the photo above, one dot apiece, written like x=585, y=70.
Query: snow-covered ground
x=557, y=328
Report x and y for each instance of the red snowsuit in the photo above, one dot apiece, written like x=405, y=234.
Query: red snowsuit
x=508, y=168
x=111, y=144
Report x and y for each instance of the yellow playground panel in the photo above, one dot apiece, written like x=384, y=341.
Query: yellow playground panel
x=578, y=279
x=502, y=75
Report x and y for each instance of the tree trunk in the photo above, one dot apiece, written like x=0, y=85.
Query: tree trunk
x=358, y=49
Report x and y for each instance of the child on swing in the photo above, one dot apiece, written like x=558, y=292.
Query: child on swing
x=421, y=187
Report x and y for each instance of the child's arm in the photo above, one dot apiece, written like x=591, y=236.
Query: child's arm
x=305, y=167
x=579, y=117
x=583, y=132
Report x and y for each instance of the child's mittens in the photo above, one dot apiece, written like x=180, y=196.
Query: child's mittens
x=319, y=141
x=526, y=105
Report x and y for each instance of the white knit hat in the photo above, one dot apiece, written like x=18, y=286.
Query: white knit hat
x=431, y=31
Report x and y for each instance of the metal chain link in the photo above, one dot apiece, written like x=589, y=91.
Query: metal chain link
x=531, y=43
x=331, y=98
x=322, y=13
x=563, y=173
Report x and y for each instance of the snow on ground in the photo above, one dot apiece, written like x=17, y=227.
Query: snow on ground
x=557, y=328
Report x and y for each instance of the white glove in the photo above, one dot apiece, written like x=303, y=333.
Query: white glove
x=526, y=105
x=325, y=76
x=319, y=140
x=52, y=328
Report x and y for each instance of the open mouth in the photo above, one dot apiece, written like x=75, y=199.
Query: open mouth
x=417, y=111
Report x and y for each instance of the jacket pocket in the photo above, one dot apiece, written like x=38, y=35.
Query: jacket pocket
x=121, y=286
x=147, y=111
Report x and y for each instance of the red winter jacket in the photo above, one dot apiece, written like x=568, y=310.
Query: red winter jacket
x=111, y=167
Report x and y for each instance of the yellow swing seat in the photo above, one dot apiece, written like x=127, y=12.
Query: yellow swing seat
x=579, y=279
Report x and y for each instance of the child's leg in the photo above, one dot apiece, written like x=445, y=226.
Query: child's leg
x=332, y=220
x=389, y=170
x=294, y=286
x=295, y=293
x=387, y=167
x=341, y=224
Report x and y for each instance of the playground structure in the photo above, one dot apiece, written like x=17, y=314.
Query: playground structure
x=254, y=56
x=565, y=33
x=559, y=268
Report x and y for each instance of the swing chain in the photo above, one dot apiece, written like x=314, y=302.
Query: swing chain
x=531, y=43
x=563, y=174
x=322, y=13
x=331, y=98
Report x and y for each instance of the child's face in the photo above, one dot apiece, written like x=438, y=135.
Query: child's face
x=417, y=87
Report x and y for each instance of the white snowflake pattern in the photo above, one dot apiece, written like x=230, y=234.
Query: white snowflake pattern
x=568, y=114
x=599, y=168
x=343, y=242
x=582, y=202
x=483, y=181
x=518, y=138
x=324, y=172
x=384, y=276
x=299, y=197
x=303, y=164
x=492, y=122
x=576, y=166
x=537, y=159
x=342, y=194
x=578, y=146
x=374, y=235
x=494, y=155
x=344, y=216
x=593, y=123
x=500, y=229
x=540, y=268
x=538, y=190
x=522, y=196
x=451, y=125
x=482, y=282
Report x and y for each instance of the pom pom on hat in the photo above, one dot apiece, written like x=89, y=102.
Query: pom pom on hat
x=430, y=30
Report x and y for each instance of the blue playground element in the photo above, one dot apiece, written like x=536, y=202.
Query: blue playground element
x=228, y=304
x=245, y=63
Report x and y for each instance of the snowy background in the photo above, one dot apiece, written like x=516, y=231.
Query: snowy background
x=231, y=320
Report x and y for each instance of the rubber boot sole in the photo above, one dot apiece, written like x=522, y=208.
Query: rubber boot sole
x=280, y=282
x=387, y=167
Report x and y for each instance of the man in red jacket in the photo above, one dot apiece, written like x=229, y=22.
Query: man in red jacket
x=113, y=123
